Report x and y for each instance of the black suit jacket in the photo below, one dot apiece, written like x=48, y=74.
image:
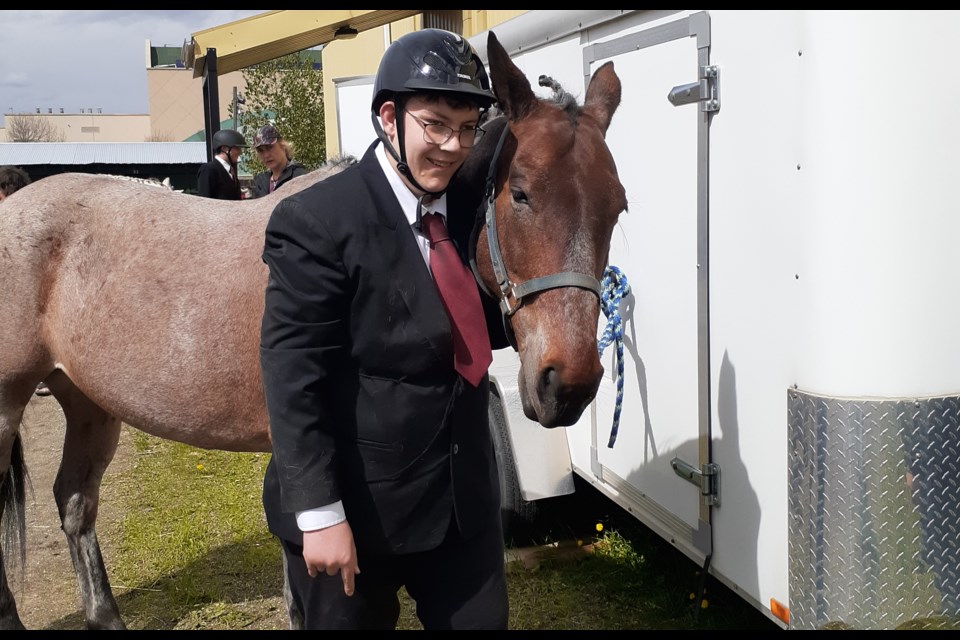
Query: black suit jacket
x=357, y=361
x=213, y=181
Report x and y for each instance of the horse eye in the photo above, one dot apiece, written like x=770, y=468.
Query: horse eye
x=518, y=196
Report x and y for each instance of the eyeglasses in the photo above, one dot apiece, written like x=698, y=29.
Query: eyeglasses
x=436, y=133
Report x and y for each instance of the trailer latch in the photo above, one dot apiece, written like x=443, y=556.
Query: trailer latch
x=706, y=90
x=707, y=478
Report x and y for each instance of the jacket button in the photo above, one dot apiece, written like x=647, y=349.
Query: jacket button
x=456, y=448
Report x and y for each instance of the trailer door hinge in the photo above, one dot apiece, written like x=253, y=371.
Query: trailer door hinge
x=706, y=90
x=707, y=478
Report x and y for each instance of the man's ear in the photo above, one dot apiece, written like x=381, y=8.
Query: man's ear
x=388, y=118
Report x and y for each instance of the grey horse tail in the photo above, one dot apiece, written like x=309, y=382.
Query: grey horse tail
x=13, y=497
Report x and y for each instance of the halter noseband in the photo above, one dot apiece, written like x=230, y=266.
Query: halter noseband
x=512, y=295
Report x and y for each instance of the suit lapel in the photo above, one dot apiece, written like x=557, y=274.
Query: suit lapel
x=406, y=270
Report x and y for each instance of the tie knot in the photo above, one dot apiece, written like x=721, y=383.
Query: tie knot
x=434, y=228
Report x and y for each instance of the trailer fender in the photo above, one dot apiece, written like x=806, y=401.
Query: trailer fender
x=534, y=462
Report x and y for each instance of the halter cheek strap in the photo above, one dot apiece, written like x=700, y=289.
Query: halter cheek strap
x=511, y=295
x=483, y=215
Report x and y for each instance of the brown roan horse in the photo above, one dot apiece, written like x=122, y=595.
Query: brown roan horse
x=142, y=306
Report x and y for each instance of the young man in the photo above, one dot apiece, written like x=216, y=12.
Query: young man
x=383, y=472
x=277, y=155
x=218, y=178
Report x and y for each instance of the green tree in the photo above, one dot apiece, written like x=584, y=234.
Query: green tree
x=287, y=92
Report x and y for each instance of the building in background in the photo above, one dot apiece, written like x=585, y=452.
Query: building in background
x=174, y=103
x=175, y=96
x=176, y=162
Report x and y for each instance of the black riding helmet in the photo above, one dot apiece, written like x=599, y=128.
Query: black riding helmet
x=431, y=60
x=228, y=138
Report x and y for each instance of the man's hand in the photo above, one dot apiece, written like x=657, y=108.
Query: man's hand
x=332, y=550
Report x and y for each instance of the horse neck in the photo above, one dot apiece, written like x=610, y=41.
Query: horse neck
x=471, y=179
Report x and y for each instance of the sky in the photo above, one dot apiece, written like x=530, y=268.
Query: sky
x=89, y=59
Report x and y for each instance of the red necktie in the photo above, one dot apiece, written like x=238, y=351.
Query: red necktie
x=461, y=299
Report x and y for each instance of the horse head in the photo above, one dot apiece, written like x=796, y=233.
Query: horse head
x=556, y=180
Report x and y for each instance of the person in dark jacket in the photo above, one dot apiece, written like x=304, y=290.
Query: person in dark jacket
x=12, y=179
x=218, y=178
x=383, y=472
x=277, y=155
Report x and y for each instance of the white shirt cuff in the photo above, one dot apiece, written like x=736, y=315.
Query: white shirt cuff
x=321, y=517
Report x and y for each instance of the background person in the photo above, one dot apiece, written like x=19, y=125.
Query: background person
x=277, y=155
x=218, y=178
x=383, y=473
x=12, y=179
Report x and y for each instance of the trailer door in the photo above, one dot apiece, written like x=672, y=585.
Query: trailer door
x=355, y=129
x=659, y=465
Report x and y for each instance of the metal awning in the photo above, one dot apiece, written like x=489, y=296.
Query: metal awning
x=272, y=34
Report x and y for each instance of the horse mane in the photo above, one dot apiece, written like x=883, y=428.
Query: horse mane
x=153, y=182
x=563, y=99
x=330, y=166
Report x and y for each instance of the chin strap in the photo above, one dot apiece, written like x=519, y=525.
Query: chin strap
x=401, y=159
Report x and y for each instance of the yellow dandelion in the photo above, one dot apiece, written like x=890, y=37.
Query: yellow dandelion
x=703, y=604
x=692, y=596
x=599, y=526
x=199, y=466
x=579, y=543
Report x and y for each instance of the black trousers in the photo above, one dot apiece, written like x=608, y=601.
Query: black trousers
x=459, y=585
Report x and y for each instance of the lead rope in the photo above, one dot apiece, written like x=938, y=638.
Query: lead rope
x=613, y=288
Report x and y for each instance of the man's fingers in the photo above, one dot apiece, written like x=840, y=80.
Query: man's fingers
x=348, y=579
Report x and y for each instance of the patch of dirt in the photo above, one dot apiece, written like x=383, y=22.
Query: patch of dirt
x=46, y=588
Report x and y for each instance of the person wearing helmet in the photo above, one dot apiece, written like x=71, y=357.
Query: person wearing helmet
x=218, y=178
x=277, y=155
x=383, y=473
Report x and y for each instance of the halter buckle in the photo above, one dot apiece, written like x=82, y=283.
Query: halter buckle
x=509, y=302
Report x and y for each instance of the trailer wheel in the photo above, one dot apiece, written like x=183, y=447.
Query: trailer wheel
x=516, y=514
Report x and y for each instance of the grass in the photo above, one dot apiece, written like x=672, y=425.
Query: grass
x=193, y=552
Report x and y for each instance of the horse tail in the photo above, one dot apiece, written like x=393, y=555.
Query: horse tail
x=13, y=498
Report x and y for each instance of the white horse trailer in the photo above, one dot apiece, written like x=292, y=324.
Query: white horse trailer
x=791, y=387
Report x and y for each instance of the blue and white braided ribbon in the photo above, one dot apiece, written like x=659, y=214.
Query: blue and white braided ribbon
x=613, y=288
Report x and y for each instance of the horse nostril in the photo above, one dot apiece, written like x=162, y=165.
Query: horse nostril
x=546, y=386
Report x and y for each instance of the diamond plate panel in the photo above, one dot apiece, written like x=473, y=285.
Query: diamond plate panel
x=874, y=533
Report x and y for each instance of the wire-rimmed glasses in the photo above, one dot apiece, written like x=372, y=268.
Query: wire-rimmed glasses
x=436, y=133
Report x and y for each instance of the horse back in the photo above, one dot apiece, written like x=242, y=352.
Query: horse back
x=140, y=295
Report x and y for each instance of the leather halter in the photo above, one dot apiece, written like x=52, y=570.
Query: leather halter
x=511, y=294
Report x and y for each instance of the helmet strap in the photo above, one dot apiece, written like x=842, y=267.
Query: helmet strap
x=401, y=159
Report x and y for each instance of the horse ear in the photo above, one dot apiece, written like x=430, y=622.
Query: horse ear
x=514, y=95
x=603, y=95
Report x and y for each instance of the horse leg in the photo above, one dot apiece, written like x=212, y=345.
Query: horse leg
x=90, y=442
x=14, y=396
